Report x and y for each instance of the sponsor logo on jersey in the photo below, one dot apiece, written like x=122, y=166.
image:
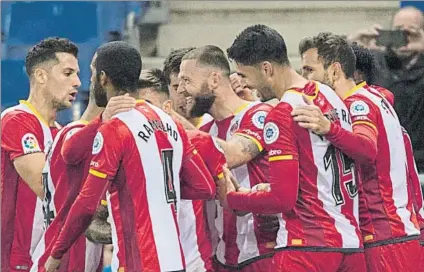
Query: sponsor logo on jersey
x=274, y=152
x=98, y=143
x=258, y=119
x=271, y=132
x=359, y=108
x=252, y=133
x=30, y=144
x=94, y=164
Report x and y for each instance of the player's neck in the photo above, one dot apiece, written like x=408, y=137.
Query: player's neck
x=344, y=87
x=226, y=104
x=91, y=112
x=287, y=79
x=43, y=106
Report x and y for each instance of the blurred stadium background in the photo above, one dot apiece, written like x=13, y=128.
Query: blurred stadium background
x=157, y=27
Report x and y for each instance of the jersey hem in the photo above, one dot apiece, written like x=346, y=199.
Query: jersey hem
x=320, y=249
x=244, y=263
x=392, y=241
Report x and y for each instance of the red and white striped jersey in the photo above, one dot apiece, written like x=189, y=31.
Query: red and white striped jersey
x=389, y=213
x=414, y=183
x=23, y=131
x=325, y=215
x=143, y=153
x=240, y=239
x=62, y=182
x=192, y=220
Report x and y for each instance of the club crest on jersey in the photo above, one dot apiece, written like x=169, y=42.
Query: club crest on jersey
x=271, y=132
x=233, y=128
x=258, y=119
x=217, y=145
x=30, y=144
x=359, y=108
x=98, y=143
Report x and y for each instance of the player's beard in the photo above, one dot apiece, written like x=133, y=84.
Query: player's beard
x=203, y=102
x=59, y=105
x=265, y=93
x=99, y=93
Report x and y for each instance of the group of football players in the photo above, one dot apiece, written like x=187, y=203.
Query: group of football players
x=192, y=168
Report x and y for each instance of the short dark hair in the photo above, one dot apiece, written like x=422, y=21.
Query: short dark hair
x=172, y=62
x=153, y=78
x=259, y=43
x=46, y=50
x=331, y=48
x=365, y=62
x=122, y=64
x=211, y=56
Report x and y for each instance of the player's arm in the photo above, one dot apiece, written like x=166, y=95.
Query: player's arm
x=21, y=139
x=283, y=168
x=247, y=141
x=78, y=142
x=196, y=180
x=413, y=177
x=100, y=230
x=360, y=145
x=107, y=151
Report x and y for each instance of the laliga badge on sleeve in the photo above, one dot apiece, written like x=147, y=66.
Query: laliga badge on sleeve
x=30, y=144
x=98, y=143
x=271, y=133
x=358, y=108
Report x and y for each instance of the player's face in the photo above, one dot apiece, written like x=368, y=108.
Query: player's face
x=179, y=101
x=63, y=81
x=195, y=87
x=95, y=86
x=312, y=66
x=256, y=79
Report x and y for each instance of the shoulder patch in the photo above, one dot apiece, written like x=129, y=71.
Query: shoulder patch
x=258, y=119
x=98, y=143
x=271, y=133
x=359, y=108
x=30, y=144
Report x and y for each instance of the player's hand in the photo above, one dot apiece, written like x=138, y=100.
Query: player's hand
x=311, y=117
x=261, y=187
x=52, y=264
x=118, y=104
x=241, y=89
x=268, y=223
x=367, y=38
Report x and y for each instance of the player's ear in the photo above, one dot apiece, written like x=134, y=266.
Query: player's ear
x=167, y=106
x=103, y=78
x=267, y=69
x=40, y=75
x=337, y=71
x=215, y=80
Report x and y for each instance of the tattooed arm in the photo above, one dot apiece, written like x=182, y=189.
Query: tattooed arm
x=239, y=150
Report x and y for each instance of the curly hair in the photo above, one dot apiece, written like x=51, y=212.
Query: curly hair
x=46, y=50
x=258, y=43
x=365, y=62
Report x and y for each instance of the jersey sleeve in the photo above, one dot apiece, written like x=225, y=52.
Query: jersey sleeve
x=21, y=135
x=107, y=149
x=210, y=151
x=280, y=143
x=361, y=144
x=196, y=180
x=252, y=124
x=78, y=142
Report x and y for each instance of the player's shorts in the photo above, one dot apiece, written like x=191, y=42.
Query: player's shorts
x=403, y=257
x=313, y=261
x=261, y=265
